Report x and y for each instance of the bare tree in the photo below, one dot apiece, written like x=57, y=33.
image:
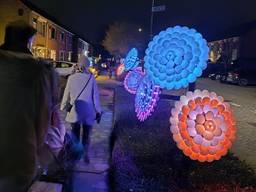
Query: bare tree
x=121, y=37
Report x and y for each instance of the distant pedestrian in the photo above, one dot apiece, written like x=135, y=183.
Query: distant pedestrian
x=110, y=72
x=26, y=99
x=81, y=93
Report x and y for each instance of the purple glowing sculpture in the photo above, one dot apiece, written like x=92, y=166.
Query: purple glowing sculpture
x=133, y=79
x=146, y=98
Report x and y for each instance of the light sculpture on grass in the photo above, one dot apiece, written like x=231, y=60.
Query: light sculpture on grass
x=176, y=57
x=131, y=60
x=133, y=79
x=203, y=125
x=146, y=98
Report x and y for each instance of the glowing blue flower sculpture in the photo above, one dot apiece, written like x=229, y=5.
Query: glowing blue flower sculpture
x=176, y=57
x=131, y=60
x=146, y=98
x=133, y=79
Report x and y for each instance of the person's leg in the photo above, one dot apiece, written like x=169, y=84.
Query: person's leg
x=76, y=131
x=86, y=140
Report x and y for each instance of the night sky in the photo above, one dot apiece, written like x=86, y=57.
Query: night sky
x=90, y=18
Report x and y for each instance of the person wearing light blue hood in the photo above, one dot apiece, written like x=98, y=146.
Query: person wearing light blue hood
x=82, y=93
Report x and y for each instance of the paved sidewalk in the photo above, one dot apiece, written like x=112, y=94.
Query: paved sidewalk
x=93, y=177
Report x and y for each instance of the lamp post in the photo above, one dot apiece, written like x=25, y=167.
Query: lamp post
x=152, y=19
x=154, y=8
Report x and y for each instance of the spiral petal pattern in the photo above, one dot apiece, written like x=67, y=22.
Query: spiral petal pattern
x=146, y=98
x=176, y=57
x=203, y=126
x=133, y=79
x=131, y=60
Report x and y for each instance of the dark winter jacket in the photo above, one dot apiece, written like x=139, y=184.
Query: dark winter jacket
x=26, y=99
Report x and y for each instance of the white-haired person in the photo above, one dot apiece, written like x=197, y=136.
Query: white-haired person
x=81, y=100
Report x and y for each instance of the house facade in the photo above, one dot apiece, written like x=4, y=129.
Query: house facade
x=228, y=48
x=240, y=43
x=52, y=40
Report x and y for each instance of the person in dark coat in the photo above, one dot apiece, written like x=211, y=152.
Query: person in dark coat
x=27, y=98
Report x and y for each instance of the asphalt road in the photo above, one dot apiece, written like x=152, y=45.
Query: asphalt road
x=243, y=102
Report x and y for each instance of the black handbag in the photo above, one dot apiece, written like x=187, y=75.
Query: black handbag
x=68, y=106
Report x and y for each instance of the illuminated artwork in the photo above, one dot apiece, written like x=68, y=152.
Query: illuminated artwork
x=203, y=125
x=133, y=79
x=131, y=60
x=176, y=57
x=146, y=98
x=120, y=69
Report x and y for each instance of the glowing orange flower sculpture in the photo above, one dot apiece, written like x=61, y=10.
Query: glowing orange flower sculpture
x=120, y=69
x=203, y=125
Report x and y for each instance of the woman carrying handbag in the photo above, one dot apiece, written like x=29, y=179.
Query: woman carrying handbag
x=82, y=103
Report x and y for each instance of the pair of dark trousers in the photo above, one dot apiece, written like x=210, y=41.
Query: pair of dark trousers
x=76, y=127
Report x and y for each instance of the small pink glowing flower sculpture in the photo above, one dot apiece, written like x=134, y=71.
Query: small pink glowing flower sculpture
x=133, y=79
x=203, y=125
x=120, y=69
x=146, y=98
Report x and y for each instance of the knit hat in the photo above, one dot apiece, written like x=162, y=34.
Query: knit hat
x=83, y=62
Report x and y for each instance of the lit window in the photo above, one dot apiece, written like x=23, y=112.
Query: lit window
x=41, y=28
x=69, y=55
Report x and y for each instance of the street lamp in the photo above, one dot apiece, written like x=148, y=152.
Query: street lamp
x=140, y=29
x=154, y=8
x=152, y=19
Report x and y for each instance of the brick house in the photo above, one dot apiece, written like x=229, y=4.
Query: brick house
x=52, y=41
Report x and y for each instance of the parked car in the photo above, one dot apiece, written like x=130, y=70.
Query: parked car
x=215, y=76
x=242, y=77
x=223, y=77
x=215, y=70
x=241, y=72
x=64, y=68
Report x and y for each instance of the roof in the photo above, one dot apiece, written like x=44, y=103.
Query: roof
x=51, y=18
